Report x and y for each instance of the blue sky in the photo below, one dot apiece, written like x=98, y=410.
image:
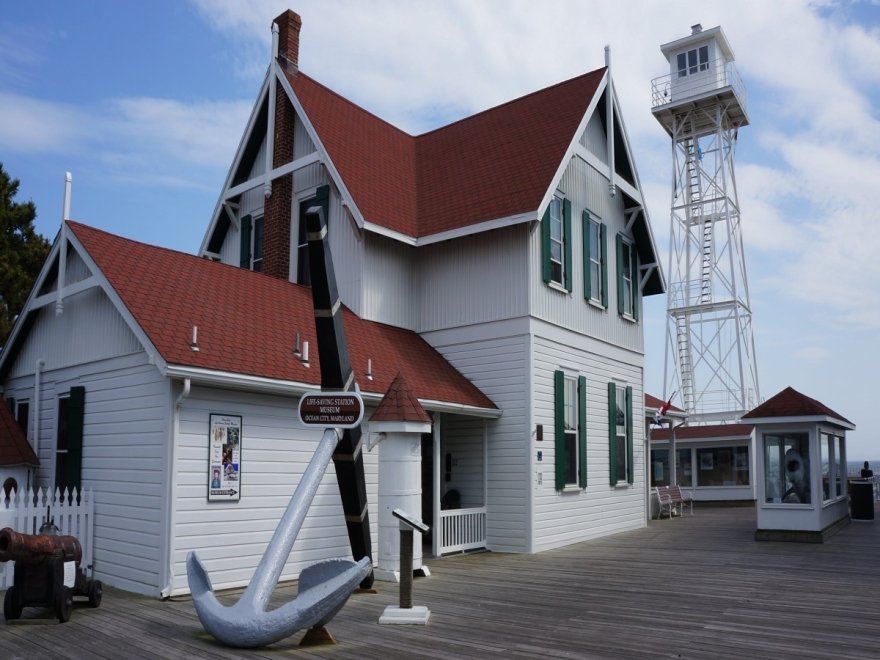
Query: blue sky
x=145, y=103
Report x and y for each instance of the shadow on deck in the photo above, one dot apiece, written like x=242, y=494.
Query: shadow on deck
x=691, y=587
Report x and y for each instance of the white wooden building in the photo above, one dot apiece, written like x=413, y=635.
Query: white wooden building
x=499, y=263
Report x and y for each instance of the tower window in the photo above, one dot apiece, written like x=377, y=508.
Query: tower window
x=693, y=61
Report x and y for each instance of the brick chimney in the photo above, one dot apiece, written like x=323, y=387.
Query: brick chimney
x=278, y=209
x=289, y=24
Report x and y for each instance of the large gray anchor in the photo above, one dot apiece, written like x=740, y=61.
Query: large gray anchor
x=324, y=587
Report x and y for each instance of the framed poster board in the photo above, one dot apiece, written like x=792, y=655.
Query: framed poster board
x=224, y=458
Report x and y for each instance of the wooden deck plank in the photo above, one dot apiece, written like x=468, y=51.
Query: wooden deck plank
x=691, y=587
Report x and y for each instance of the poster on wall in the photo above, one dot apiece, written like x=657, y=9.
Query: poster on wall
x=224, y=459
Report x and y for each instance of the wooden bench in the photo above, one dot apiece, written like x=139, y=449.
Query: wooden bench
x=672, y=500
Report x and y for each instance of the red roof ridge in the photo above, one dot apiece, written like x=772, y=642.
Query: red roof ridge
x=518, y=99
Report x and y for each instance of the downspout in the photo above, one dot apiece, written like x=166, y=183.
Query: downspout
x=270, y=130
x=170, y=506
x=609, y=122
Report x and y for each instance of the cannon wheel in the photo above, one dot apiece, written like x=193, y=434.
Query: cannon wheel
x=64, y=604
x=12, y=604
x=96, y=591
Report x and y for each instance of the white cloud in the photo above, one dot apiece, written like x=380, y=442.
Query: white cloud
x=29, y=124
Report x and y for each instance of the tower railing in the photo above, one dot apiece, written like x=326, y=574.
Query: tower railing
x=718, y=74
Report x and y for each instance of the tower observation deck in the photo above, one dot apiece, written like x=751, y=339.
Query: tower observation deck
x=710, y=354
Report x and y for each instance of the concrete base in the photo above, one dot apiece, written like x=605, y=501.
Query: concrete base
x=417, y=615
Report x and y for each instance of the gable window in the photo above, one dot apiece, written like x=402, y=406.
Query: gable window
x=693, y=61
x=595, y=261
x=251, y=254
x=69, y=439
x=570, y=423
x=556, y=235
x=627, y=279
x=620, y=434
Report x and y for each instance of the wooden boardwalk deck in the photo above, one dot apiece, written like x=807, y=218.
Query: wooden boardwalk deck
x=690, y=587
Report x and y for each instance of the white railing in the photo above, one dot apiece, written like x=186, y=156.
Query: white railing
x=462, y=529
x=673, y=88
x=26, y=513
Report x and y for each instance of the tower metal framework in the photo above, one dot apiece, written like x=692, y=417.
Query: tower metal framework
x=710, y=352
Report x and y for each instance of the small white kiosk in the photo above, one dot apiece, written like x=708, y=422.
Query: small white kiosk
x=398, y=424
x=801, y=468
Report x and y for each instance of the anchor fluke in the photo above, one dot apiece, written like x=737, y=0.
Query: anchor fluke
x=324, y=588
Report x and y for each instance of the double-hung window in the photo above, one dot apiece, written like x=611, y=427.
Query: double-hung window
x=556, y=235
x=693, y=61
x=620, y=434
x=627, y=279
x=570, y=425
x=595, y=261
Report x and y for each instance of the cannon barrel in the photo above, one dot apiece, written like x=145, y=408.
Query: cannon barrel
x=36, y=548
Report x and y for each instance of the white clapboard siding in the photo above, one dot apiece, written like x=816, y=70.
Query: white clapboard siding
x=231, y=537
x=576, y=515
x=587, y=189
x=473, y=279
x=497, y=363
x=593, y=138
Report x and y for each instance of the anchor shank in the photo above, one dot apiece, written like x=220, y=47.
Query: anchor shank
x=269, y=569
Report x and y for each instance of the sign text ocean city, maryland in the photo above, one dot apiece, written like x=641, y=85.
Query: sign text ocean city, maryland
x=331, y=409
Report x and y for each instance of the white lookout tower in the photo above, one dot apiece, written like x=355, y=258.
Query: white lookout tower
x=710, y=354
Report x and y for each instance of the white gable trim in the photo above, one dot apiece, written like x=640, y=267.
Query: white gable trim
x=808, y=419
x=478, y=228
x=236, y=162
x=573, y=145
x=153, y=353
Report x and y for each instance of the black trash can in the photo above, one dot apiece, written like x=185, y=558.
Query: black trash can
x=861, y=500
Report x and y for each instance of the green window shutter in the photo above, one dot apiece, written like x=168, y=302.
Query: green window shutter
x=604, y=252
x=568, y=267
x=244, y=259
x=585, y=224
x=635, y=281
x=545, y=246
x=612, y=431
x=629, y=435
x=75, y=414
x=620, y=247
x=559, y=426
x=582, y=431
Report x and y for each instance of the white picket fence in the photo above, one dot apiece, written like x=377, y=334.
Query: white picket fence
x=72, y=512
x=462, y=529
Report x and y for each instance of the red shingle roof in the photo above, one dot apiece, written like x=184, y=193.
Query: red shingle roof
x=399, y=405
x=492, y=165
x=708, y=431
x=247, y=322
x=791, y=403
x=14, y=446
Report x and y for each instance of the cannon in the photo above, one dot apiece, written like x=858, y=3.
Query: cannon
x=47, y=573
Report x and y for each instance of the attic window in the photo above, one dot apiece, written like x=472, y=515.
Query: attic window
x=556, y=240
x=693, y=61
